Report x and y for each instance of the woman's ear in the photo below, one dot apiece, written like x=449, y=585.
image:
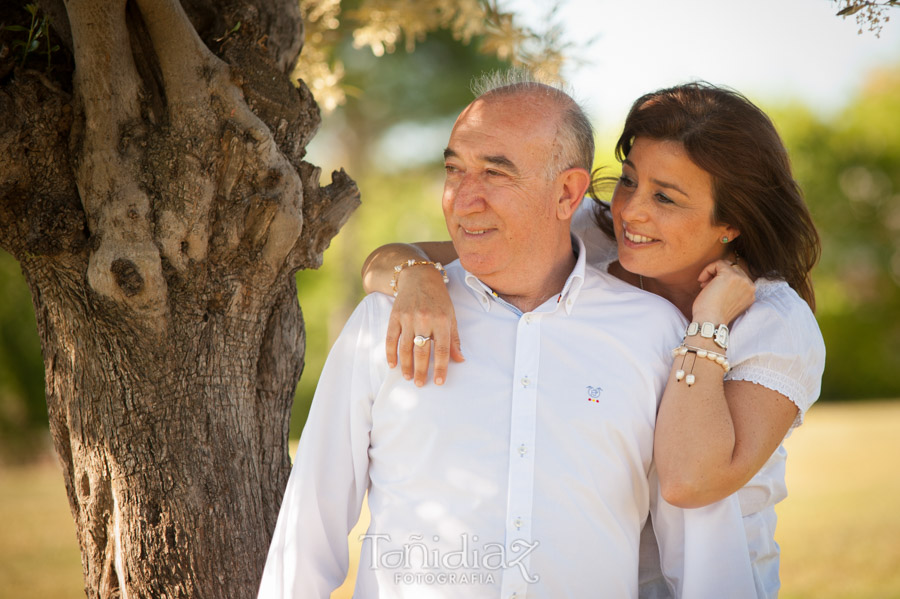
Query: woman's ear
x=730, y=233
x=573, y=184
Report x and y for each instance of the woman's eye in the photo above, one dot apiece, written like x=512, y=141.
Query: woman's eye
x=626, y=181
x=663, y=199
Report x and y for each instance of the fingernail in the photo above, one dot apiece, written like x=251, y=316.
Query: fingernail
x=438, y=381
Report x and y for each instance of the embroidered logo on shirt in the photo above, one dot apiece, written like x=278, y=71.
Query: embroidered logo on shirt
x=594, y=393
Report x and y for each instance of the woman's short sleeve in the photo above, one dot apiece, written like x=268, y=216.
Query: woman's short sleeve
x=777, y=344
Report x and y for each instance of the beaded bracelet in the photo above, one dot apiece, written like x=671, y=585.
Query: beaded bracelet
x=399, y=268
x=683, y=350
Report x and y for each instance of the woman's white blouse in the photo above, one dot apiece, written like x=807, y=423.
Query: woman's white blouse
x=776, y=343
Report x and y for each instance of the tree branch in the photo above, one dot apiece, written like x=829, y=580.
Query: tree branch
x=125, y=264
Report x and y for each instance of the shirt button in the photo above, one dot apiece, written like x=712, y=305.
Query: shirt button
x=526, y=381
x=523, y=450
x=517, y=523
x=528, y=319
x=569, y=302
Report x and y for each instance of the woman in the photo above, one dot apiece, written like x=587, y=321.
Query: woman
x=707, y=215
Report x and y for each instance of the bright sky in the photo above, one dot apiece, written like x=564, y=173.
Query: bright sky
x=771, y=50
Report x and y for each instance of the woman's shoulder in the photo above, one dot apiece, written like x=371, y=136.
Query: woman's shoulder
x=776, y=301
x=779, y=315
x=777, y=343
x=601, y=250
x=779, y=323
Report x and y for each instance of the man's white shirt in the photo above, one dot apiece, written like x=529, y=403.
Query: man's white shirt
x=527, y=474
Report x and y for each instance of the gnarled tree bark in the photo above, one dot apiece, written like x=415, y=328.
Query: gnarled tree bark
x=159, y=205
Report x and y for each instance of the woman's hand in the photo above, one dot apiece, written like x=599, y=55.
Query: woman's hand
x=726, y=292
x=422, y=307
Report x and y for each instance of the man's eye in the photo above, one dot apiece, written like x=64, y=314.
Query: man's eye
x=450, y=168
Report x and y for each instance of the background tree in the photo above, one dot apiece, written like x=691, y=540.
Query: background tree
x=158, y=204
x=849, y=170
x=870, y=15
x=154, y=192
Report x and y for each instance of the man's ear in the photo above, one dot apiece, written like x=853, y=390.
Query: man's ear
x=573, y=184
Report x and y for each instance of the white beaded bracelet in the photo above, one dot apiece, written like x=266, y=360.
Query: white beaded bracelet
x=683, y=350
x=399, y=268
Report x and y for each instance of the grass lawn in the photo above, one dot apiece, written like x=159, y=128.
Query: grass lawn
x=839, y=529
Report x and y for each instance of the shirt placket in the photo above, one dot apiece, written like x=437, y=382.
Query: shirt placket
x=519, y=543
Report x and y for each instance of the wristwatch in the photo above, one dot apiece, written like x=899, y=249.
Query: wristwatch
x=719, y=334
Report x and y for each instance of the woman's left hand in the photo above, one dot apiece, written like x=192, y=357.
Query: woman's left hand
x=726, y=292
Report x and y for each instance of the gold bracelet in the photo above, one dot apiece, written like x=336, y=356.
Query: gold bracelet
x=399, y=268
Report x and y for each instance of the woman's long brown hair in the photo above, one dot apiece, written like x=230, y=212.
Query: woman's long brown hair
x=736, y=143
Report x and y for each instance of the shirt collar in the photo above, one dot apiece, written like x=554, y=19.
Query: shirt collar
x=567, y=297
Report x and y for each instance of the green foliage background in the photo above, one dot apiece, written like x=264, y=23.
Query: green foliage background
x=849, y=169
x=848, y=166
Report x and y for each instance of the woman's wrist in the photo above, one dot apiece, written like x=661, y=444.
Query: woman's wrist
x=715, y=331
x=417, y=278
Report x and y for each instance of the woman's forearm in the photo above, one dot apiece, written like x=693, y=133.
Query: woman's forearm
x=714, y=436
x=378, y=268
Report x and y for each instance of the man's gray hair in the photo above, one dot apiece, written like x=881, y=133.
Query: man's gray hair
x=574, y=143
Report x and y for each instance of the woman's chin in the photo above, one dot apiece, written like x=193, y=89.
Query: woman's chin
x=629, y=263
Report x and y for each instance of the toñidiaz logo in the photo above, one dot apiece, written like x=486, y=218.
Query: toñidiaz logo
x=469, y=563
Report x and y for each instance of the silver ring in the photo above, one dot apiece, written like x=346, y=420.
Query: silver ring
x=421, y=340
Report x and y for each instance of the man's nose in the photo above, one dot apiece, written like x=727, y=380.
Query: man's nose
x=468, y=195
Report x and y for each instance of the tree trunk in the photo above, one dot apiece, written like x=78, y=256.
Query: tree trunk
x=159, y=206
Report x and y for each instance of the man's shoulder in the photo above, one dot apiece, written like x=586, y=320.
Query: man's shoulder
x=602, y=286
x=371, y=313
x=611, y=306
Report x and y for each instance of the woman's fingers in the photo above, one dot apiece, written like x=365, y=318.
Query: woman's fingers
x=446, y=346
x=726, y=292
x=393, y=338
x=422, y=309
x=441, y=354
x=406, y=351
x=455, y=347
x=421, y=358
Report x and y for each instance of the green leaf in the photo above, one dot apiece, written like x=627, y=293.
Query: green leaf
x=32, y=9
x=16, y=28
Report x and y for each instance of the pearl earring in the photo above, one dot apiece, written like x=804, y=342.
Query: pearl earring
x=724, y=240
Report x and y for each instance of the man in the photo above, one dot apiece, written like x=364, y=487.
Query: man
x=526, y=474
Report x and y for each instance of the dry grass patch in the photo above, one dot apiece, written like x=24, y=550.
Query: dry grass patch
x=839, y=529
